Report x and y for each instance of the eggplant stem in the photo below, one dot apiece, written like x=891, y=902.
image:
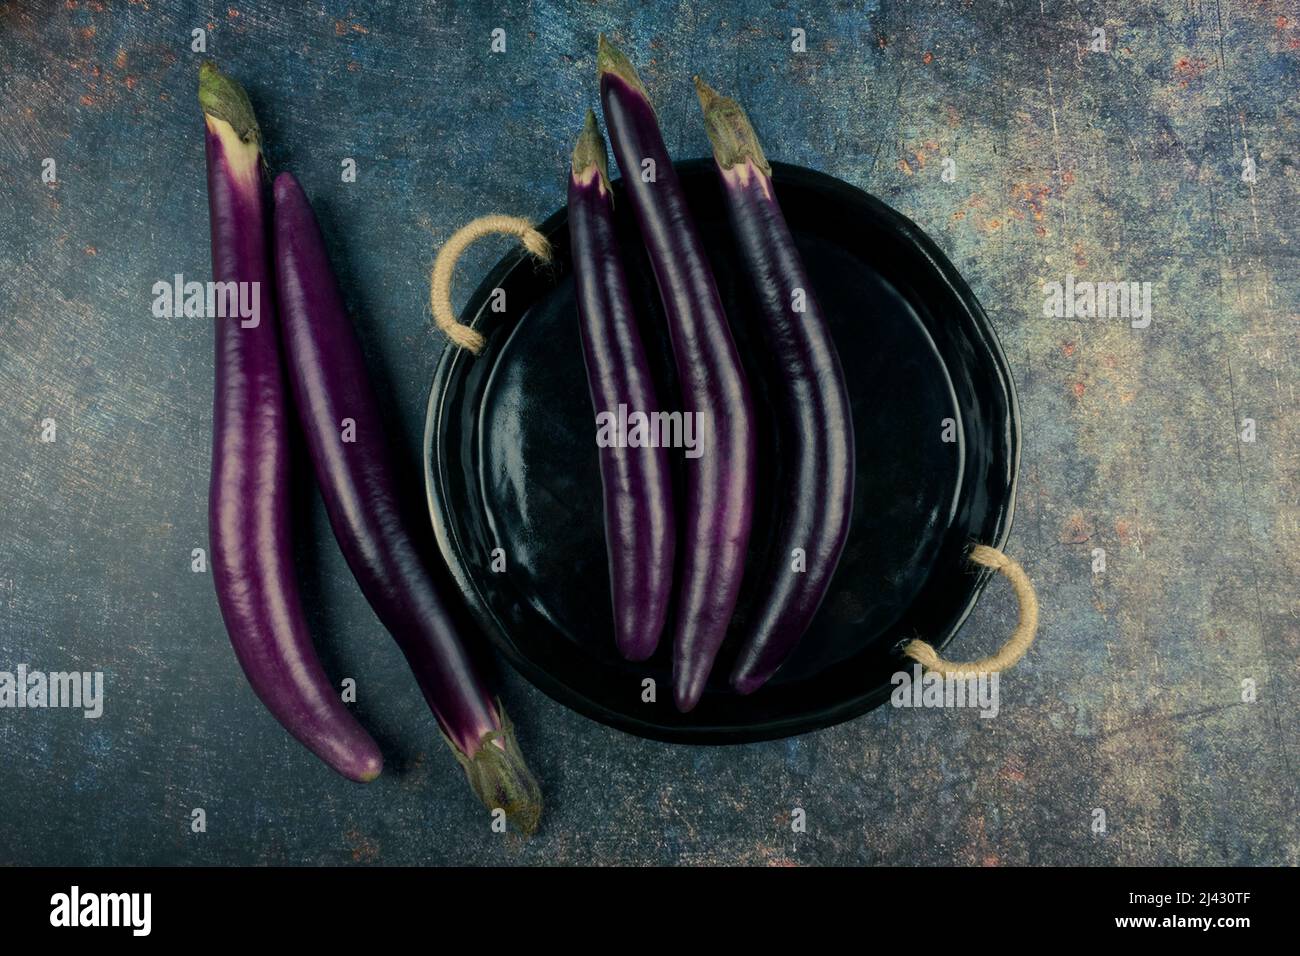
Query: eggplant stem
x=223, y=97
x=589, y=152
x=732, y=135
x=610, y=59
x=445, y=264
x=498, y=774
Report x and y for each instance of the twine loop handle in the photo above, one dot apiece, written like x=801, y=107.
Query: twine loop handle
x=1016, y=645
x=445, y=264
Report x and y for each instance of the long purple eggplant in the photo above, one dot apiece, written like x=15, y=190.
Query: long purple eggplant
x=344, y=429
x=248, y=501
x=720, y=482
x=639, y=523
x=814, y=421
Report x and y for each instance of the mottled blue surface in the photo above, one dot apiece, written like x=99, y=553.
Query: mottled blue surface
x=1123, y=164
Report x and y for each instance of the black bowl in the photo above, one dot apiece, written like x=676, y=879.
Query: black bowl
x=511, y=467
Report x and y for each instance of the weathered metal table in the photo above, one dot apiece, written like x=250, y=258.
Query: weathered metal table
x=1166, y=157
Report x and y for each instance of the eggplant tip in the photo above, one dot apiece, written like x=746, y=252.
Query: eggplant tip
x=285, y=185
x=685, y=698
x=367, y=767
x=744, y=684
x=636, y=654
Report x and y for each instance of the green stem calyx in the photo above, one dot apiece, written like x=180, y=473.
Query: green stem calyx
x=610, y=59
x=223, y=98
x=730, y=131
x=498, y=774
x=590, y=152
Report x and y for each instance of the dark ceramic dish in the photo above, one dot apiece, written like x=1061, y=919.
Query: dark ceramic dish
x=511, y=465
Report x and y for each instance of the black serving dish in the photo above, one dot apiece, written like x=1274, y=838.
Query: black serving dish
x=511, y=465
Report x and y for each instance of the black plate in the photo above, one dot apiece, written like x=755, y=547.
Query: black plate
x=511, y=464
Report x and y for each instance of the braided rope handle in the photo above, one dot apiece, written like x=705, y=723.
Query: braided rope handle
x=1015, y=646
x=445, y=264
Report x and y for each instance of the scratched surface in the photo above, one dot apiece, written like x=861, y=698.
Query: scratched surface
x=1124, y=165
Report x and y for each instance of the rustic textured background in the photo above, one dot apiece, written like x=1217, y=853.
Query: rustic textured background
x=1122, y=165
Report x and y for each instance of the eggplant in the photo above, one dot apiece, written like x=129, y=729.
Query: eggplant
x=248, y=500
x=344, y=430
x=640, y=531
x=720, y=482
x=811, y=401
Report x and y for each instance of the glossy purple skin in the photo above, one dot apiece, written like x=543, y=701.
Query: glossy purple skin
x=720, y=483
x=330, y=384
x=815, y=425
x=639, y=522
x=249, y=516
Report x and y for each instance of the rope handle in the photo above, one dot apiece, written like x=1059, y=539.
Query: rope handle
x=1016, y=645
x=445, y=264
